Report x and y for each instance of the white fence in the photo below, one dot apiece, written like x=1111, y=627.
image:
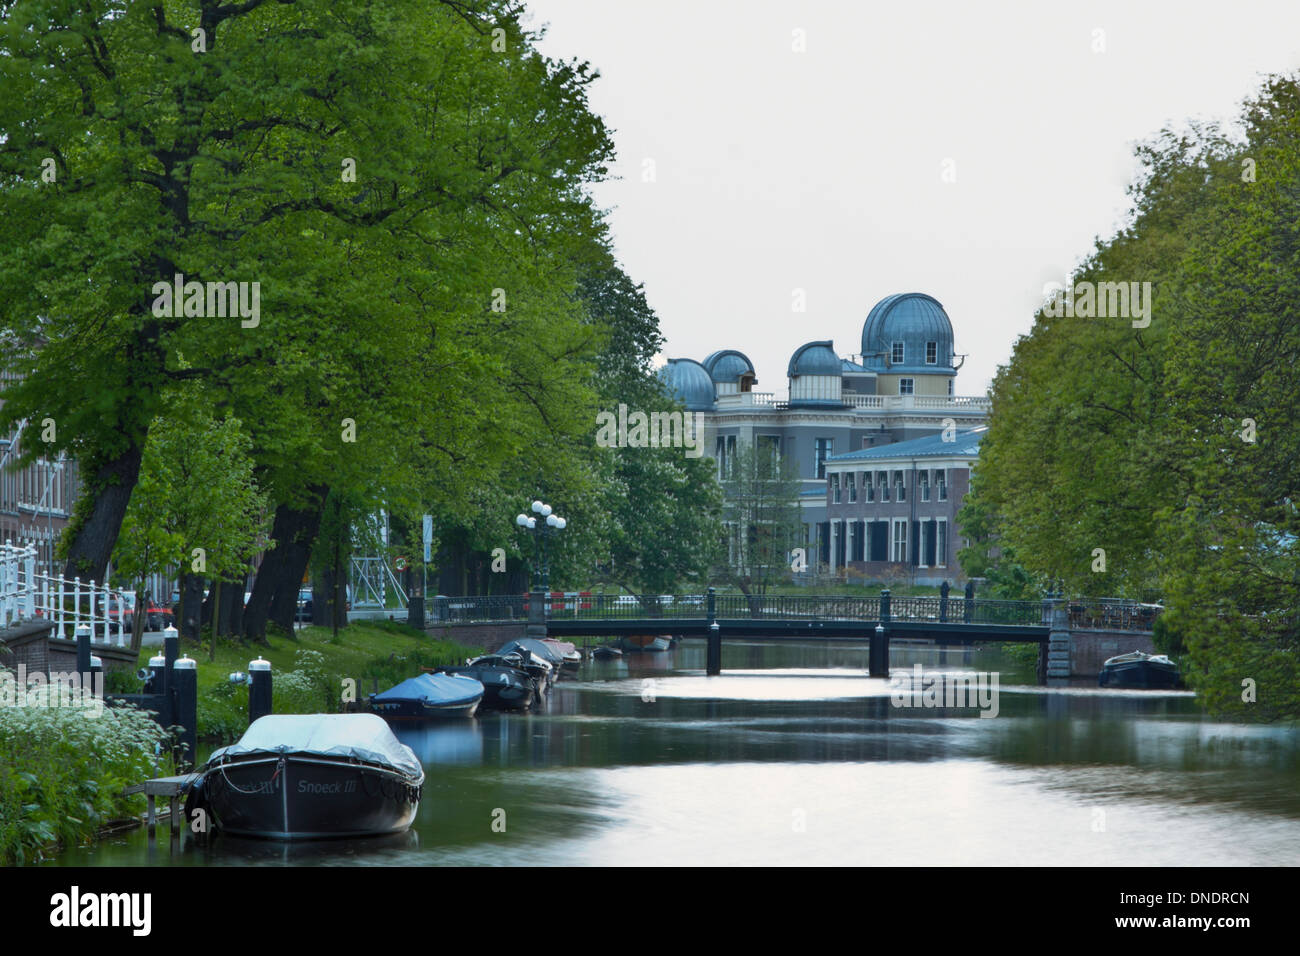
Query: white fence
x=26, y=595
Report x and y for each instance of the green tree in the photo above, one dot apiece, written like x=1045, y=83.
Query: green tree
x=762, y=516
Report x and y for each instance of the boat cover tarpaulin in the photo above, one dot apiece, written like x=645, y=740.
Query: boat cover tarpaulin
x=362, y=736
x=435, y=688
x=536, y=648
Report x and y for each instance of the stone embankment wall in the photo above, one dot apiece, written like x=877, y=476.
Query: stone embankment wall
x=1089, y=649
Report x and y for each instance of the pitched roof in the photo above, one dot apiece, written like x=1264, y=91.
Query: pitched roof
x=965, y=444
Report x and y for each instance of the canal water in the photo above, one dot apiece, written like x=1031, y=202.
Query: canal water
x=794, y=756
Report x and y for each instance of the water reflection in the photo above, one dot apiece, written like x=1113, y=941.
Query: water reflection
x=794, y=755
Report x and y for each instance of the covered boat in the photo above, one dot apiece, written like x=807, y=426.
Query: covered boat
x=306, y=776
x=429, y=695
x=571, y=657
x=1139, y=670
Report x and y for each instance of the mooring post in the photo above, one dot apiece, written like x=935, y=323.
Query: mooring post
x=713, y=661
x=171, y=651
x=878, y=656
x=83, y=650
x=259, y=689
x=185, y=677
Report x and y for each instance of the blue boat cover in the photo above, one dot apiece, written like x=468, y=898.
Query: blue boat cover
x=363, y=736
x=436, y=688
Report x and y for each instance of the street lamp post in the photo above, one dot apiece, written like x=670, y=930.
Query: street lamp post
x=542, y=529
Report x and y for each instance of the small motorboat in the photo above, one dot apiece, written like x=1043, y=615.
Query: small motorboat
x=538, y=650
x=429, y=696
x=539, y=668
x=308, y=776
x=506, y=686
x=647, y=642
x=603, y=652
x=1139, y=670
x=570, y=656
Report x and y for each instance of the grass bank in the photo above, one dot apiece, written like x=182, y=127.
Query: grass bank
x=311, y=671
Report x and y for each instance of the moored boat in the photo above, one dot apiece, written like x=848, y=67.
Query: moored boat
x=538, y=669
x=1137, y=669
x=429, y=696
x=308, y=776
x=647, y=642
x=533, y=651
x=571, y=657
x=506, y=686
x=604, y=652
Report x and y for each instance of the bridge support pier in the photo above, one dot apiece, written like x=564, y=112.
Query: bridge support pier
x=1058, y=644
x=536, y=628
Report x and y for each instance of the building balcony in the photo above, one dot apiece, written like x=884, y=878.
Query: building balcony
x=968, y=403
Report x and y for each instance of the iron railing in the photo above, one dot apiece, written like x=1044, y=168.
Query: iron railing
x=1102, y=613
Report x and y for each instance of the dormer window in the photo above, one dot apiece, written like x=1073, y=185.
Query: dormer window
x=896, y=354
x=931, y=353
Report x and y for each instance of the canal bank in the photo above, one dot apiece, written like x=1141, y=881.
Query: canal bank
x=794, y=756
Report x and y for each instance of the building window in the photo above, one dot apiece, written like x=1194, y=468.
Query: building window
x=924, y=480
x=900, y=489
x=868, y=488
x=823, y=448
x=853, y=488
x=931, y=353
x=906, y=386
x=950, y=388
x=882, y=478
x=769, y=452
x=896, y=354
x=941, y=484
x=835, y=489
x=941, y=544
x=900, y=540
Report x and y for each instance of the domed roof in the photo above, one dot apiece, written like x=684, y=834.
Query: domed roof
x=688, y=381
x=815, y=358
x=728, y=365
x=914, y=319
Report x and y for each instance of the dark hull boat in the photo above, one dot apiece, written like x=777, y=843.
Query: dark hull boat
x=538, y=668
x=504, y=687
x=1139, y=670
x=301, y=777
x=429, y=696
x=606, y=653
x=533, y=652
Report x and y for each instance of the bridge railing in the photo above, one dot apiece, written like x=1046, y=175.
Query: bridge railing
x=1108, y=613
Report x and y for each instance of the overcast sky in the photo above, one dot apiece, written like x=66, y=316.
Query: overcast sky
x=777, y=170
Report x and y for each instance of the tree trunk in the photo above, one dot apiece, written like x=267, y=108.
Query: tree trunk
x=191, y=606
x=112, y=484
x=275, y=588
